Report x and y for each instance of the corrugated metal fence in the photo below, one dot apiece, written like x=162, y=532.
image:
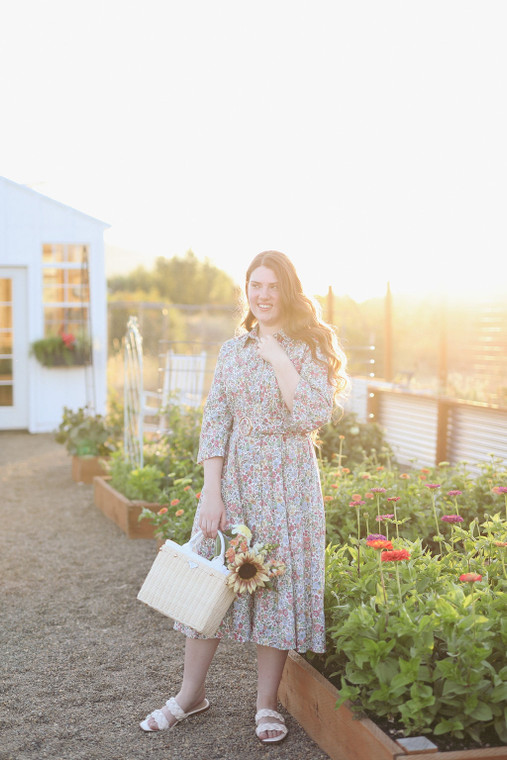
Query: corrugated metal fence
x=424, y=430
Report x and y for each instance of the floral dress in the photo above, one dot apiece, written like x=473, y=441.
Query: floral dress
x=270, y=482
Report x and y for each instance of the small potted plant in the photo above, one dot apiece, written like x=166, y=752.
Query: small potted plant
x=88, y=439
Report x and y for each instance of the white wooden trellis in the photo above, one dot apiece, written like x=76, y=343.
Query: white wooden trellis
x=133, y=394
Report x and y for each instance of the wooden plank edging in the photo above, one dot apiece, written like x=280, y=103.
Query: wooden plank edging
x=310, y=698
x=121, y=510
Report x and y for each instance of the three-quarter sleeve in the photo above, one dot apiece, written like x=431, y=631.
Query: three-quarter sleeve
x=313, y=399
x=217, y=417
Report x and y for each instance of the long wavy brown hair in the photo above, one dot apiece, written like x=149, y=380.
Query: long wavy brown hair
x=301, y=316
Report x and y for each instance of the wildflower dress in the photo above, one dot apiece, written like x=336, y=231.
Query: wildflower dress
x=270, y=482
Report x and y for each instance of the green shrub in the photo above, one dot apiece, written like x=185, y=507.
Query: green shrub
x=84, y=434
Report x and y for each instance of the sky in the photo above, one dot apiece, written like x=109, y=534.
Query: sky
x=365, y=139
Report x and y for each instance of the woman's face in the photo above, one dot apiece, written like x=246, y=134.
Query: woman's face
x=265, y=299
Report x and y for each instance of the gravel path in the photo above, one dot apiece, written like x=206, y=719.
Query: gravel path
x=81, y=660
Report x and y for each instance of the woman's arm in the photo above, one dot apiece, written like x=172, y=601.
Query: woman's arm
x=212, y=508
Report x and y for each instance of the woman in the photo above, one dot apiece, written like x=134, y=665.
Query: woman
x=273, y=387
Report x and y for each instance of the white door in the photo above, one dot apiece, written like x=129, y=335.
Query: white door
x=13, y=349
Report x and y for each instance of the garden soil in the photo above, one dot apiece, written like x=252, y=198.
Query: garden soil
x=81, y=660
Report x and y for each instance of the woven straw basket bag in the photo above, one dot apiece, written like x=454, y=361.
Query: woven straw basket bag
x=187, y=587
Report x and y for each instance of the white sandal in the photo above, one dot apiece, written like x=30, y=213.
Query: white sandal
x=262, y=727
x=175, y=710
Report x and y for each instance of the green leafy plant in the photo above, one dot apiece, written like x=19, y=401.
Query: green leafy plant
x=347, y=441
x=137, y=484
x=174, y=520
x=63, y=350
x=85, y=434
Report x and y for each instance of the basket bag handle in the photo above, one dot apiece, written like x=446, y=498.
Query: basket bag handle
x=219, y=560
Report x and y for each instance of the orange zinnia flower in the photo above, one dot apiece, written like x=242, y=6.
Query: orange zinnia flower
x=175, y=502
x=378, y=543
x=178, y=513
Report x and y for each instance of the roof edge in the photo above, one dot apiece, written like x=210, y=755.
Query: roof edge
x=27, y=189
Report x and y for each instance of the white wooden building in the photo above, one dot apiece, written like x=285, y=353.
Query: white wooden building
x=52, y=281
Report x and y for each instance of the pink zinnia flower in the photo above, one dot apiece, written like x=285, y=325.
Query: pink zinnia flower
x=380, y=518
x=451, y=518
x=376, y=537
x=470, y=577
x=378, y=490
x=393, y=498
x=454, y=493
x=432, y=485
x=356, y=503
x=500, y=489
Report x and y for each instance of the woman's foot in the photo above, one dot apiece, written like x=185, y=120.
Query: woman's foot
x=271, y=726
x=173, y=712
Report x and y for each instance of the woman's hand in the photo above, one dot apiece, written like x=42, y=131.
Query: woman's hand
x=270, y=350
x=286, y=374
x=211, y=515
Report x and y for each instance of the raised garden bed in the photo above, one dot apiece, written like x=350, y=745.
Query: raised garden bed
x=84, y=469
x=310, y=698
x=120, y=510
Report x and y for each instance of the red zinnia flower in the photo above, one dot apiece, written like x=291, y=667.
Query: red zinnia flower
x=395, y=556
x=470, y=577
x=393, y=498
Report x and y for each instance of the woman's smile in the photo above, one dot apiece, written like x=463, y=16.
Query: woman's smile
x=264, y=298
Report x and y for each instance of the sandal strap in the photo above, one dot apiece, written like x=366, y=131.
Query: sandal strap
x=264, y=713
x=160, y=719
x=280, y=727
x=175, y=709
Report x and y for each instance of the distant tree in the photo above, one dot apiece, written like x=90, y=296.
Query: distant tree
x=181, y=279
x=188, y=280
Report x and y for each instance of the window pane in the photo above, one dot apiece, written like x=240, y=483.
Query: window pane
x=5, y=316
x=52, y=276
x=52, y=252
x=53, y=319
x=77, y=328
x=53, y=295
x=75, y=276
x=6, y=395
x=5, y=369
x=5, y=289
x=47, y=253
x=6, y=343
x=76, y=253
x=79, y=315
x=77, y=293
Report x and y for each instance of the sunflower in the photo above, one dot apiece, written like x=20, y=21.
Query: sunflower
x=248, y=572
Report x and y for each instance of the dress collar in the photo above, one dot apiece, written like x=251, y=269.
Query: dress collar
x=280, y=335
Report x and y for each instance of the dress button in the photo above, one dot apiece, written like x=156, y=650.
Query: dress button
x=245, y=426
